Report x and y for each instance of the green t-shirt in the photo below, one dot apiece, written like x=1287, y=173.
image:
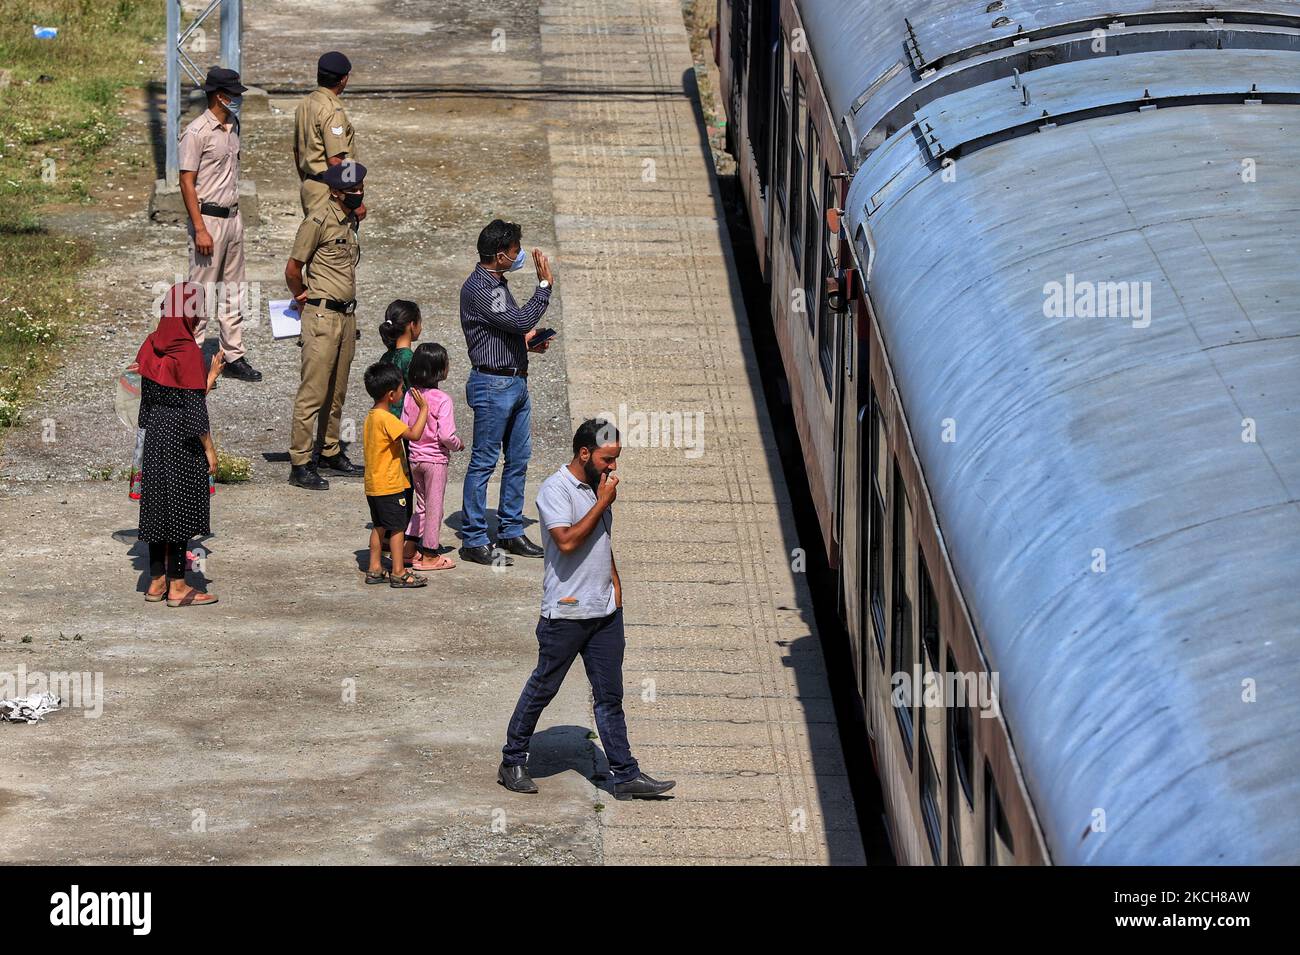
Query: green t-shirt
x=401, y=358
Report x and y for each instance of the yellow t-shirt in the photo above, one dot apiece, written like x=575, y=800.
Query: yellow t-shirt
x=382, y=438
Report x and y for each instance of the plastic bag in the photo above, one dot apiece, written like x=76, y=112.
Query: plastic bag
x=137, y=466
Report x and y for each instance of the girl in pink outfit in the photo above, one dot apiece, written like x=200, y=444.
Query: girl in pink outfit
x=429, y=457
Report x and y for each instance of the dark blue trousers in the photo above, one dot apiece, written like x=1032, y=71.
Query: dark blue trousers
x=600, y=641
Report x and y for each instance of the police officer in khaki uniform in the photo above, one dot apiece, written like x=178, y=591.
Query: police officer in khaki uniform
x=209, y=162
x=323, y=136
x=321, y=275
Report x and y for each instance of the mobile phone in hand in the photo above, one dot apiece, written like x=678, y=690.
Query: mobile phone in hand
x=543, y=336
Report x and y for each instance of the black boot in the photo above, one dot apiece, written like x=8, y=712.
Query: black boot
x=339, y=463
x=643, y=787
x=516, y=779
x=520, y=546
x=306, y=476
x=242, y=370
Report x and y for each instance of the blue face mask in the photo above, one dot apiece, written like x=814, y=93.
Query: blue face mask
x=519, y=261
x=233, y=106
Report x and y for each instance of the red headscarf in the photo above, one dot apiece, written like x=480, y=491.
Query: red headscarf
x=169, y=356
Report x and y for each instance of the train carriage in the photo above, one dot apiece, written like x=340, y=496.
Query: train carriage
x=1031, y=270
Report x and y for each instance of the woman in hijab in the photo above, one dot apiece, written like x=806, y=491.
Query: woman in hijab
x=178, y=451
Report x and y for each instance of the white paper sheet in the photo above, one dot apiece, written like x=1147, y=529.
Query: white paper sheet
x=28, y=709
x=286, y=322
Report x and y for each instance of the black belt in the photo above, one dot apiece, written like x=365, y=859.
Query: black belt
x=334, y=305
x=503, y=372
x=220, y=212
x=315, y=177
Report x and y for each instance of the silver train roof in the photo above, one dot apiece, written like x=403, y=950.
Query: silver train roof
x=1162, y=691
x=881, y=59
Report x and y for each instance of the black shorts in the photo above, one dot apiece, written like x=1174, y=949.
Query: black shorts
x=391, y=511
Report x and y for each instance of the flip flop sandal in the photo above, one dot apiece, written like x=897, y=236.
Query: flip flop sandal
x=407, y=581
x=378, y=578
x=155, y=598
x=190, y=600
x=441, y=564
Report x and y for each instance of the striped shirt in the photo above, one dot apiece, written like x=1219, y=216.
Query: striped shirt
x=494, y=324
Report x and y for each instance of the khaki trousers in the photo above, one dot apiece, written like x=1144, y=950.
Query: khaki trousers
x=222, y=276
x=312, y=195
x=329, y=340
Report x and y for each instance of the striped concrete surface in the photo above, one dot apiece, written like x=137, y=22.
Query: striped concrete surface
x=726, y=685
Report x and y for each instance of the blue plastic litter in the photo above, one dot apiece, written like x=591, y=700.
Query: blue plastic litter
x=45, y=33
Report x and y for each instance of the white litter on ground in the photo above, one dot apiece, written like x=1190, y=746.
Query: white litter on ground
x=28, y=709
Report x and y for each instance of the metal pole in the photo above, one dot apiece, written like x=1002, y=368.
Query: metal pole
x=173, y=93
x=231, y=24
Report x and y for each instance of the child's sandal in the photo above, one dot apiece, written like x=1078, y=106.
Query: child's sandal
x=378, y=578
x=407, y=580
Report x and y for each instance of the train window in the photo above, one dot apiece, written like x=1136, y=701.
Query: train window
x=999, y=848
x=929, y=613
x=760, y=83
x=954, y=830
x=930, y=802
x=782, y=122
x=902, y=645
x=876, y=553
x=962, y=841
x=798, y=163
x=961, y=736
x=814, y=229
x=827, y=325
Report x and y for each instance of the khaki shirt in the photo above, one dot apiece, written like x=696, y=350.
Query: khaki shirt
x=211, y=149
x=322, y=130
x=327, y=242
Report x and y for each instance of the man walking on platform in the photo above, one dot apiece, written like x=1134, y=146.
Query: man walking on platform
x=209, y=167
x=582, y=613
x=322, y=277
x=323, y=132
x=498, y=334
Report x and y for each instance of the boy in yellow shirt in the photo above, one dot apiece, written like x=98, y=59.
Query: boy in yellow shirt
x=388, y=489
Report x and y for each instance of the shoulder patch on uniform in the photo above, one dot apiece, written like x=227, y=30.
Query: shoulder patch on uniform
x=336, y=130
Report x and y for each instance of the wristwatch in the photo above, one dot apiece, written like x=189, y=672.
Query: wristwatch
x=543, y=284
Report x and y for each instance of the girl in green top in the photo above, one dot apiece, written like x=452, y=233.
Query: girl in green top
x=400, y=329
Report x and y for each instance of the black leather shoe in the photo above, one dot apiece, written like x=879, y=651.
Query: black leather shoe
x=241, y=369
x=306, y=476
x=516, y=779
x=520, y=546
x=643, y=787
x=483, y=554
x=340, y=463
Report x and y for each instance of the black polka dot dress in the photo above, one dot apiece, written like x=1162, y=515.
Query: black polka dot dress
x=174, y=500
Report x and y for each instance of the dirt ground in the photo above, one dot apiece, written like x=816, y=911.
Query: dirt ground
x=236, y=712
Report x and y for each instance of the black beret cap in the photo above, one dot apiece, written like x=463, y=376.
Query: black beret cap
x=334, y=62
x=227, y=81
x=346, y=175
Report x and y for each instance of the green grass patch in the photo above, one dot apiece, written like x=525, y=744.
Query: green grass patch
x=232, y=469
x=60, y=111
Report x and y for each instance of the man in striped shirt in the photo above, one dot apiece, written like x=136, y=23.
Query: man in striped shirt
x=498, y=333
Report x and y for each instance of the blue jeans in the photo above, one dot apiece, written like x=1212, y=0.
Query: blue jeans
x=600, y=641
x=503, y=417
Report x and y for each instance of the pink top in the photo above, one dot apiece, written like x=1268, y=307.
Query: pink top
x=440, y=431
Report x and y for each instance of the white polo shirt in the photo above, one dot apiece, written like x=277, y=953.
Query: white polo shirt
x=579, y=585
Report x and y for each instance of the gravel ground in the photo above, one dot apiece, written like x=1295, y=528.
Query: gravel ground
x=236, y=713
